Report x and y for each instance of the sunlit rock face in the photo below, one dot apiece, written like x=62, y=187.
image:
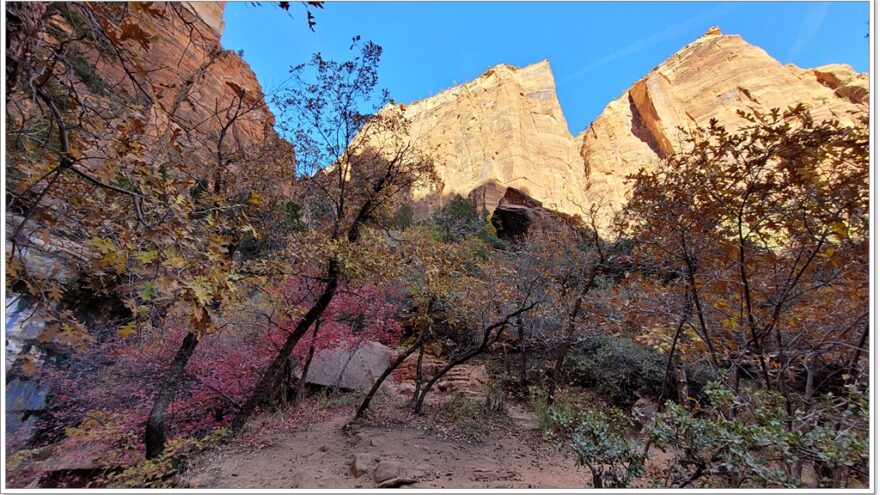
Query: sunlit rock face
x=504, y=129
x=712, y=77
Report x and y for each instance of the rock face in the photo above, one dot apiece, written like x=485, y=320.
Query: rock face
x=176, y=78
x=505, y=129
x=712, y=77
x=191, y=76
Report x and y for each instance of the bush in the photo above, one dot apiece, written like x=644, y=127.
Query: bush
x=600, y=442
x=618, y=368
x=751, y=440
x=467, y=413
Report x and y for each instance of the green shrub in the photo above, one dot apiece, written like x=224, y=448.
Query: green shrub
x=617, y=368
x=467, y=413
x=601, y=443
x=751, y=440
x=292, y=214
x=403, y=217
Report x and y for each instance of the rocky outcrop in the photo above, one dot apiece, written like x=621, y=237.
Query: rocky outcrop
x=505, y=129
x=711, y=78
x=173, y=79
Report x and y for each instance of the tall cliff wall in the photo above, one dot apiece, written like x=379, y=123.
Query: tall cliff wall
x=712, y=77
x=507, y=129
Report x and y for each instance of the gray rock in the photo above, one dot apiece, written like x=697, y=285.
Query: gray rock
x=361, y=464
x=352, y=369
x=387, y=470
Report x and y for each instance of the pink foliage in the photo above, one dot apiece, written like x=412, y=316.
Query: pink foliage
x=121, y=379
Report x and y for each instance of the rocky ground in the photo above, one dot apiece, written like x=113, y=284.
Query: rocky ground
x=394, y=449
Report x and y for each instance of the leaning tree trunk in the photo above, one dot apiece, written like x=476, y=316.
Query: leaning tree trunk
x=388, y=370
x=488, y=339
x=154, y=434
x=441, y=373
x=272, y=374
x=301, y=385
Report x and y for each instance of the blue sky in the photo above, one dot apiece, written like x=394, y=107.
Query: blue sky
x=596, y=49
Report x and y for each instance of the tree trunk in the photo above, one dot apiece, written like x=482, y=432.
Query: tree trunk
x=419, y=376
x=682, y=382
x=301, y=386
x=391, y=367
x=154, y=434
x=270, y=377
x=557, y=369
x=451, y=364
x=488, y=339
x=523, y=360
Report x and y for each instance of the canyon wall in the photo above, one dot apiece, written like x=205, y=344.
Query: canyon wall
x=506, y=128
x=711, y=78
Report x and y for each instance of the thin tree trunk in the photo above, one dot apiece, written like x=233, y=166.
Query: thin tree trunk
x=451, y=364
x=557, y=369
x=497, y=327
x=154, y=434
x=523, y=360
x=419, y=376
x=682, y=382
x=301, y=386
x=569, y=331
x=271, y=375
x=391, y=367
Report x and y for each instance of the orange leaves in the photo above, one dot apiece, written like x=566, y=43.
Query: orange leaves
x=132, y=31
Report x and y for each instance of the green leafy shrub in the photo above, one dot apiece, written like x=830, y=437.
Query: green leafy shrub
x=617, y=368
x=292, y=212
x=403, y=217
x=751, y=440
x=600, y=442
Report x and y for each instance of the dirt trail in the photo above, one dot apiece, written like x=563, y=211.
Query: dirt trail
x=321, y=456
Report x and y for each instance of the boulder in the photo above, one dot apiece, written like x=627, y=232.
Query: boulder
x=387, y=470
x=351, y=369
x=361, y=464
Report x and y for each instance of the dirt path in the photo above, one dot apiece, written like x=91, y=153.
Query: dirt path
x=321, y=456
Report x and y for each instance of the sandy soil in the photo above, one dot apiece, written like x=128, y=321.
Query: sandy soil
x=423, y=456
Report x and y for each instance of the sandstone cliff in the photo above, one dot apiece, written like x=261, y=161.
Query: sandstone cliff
x=505, y=129
x=712, y=77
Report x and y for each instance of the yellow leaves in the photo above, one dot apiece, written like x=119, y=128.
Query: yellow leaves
x=174, y=261
x=13, y=266
x=255, y=200
x=839, y=228
x=249, y=229
x=110, y=256
x=103, y=245
x=201, y=289
x=127, y=330
x=148, y=256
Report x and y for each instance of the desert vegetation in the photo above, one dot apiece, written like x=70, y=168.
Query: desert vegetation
x=187, y=281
